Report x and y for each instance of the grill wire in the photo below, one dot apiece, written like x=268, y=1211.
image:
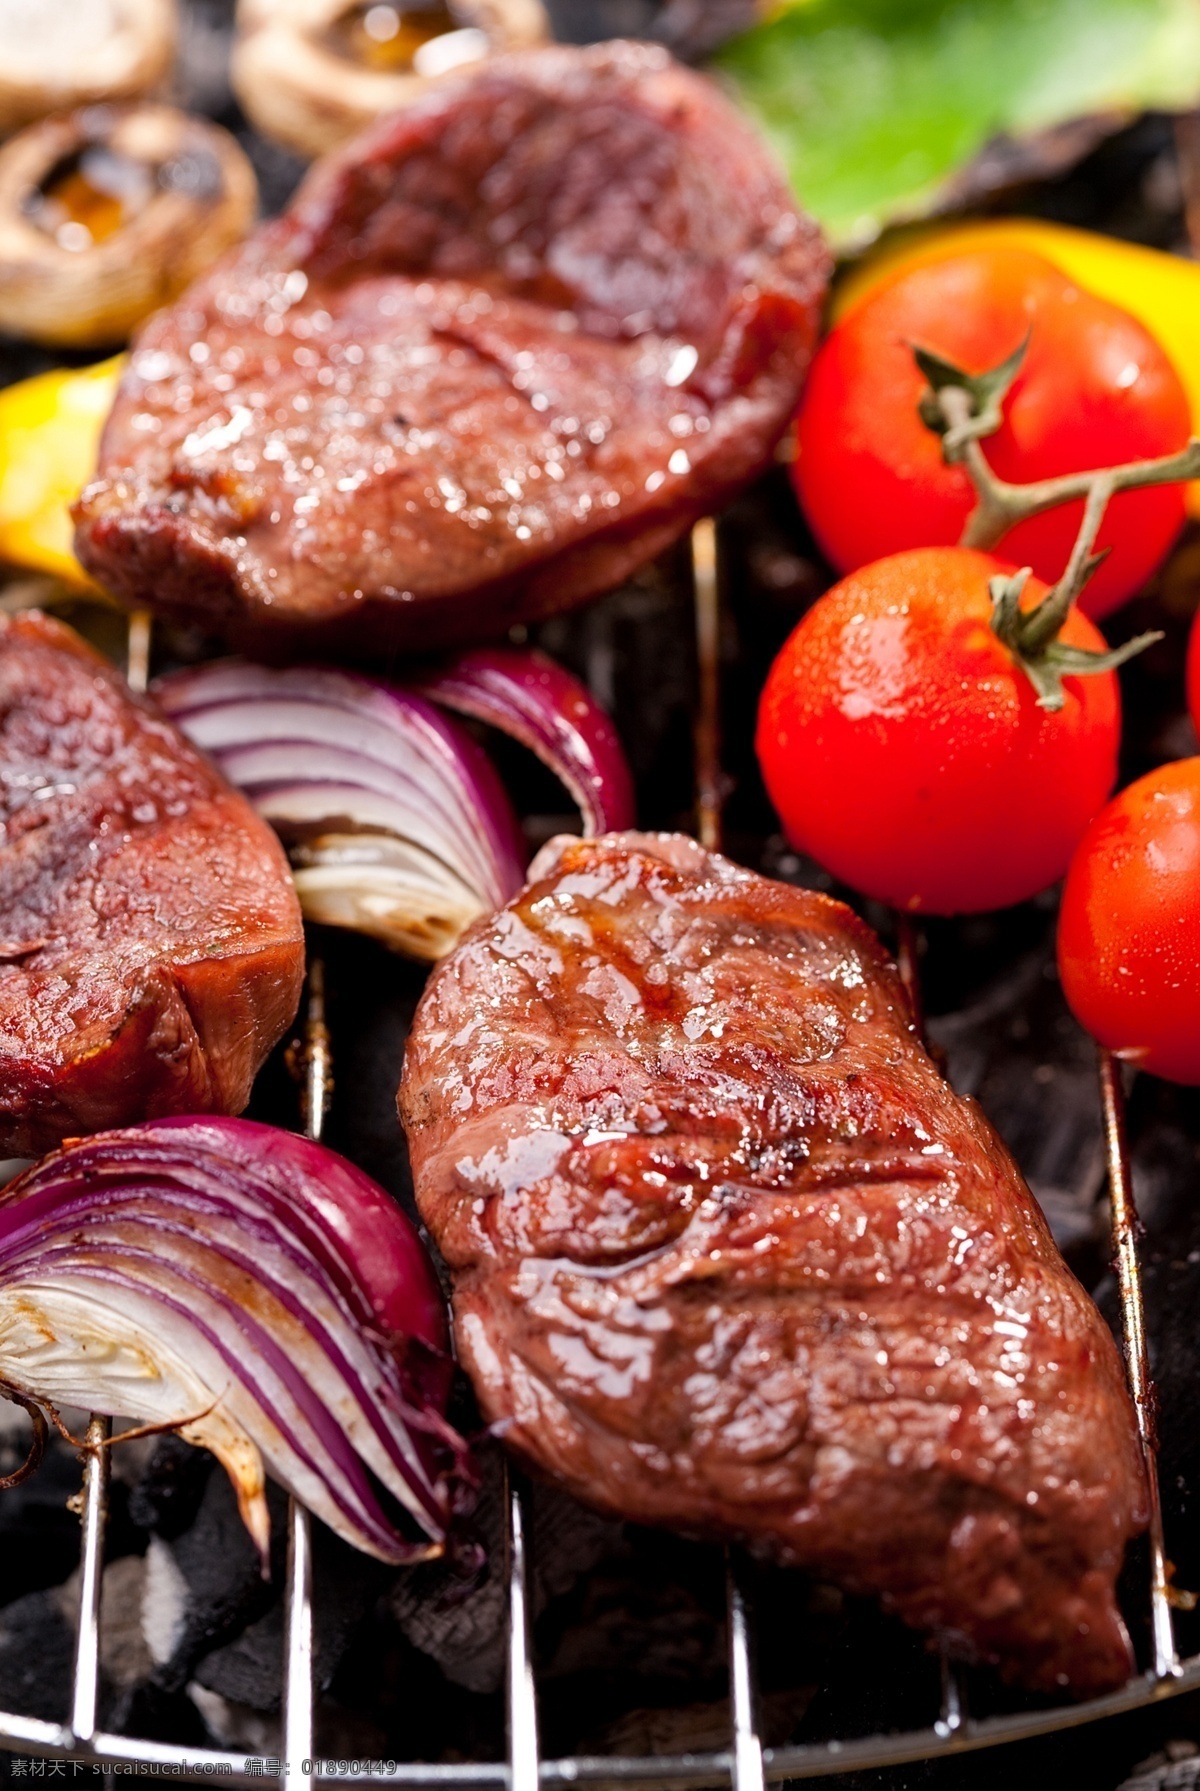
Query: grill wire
x=745, y=1764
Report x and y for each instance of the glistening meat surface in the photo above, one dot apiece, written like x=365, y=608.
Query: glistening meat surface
x=151, y=948
x=729, y=1255
x=502, y=350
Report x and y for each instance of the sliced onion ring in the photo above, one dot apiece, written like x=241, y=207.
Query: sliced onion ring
x=254, y=1291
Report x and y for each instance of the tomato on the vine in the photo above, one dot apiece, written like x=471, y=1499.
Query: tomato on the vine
x=904, y=747
x=1094, y=390
x=1129, y=929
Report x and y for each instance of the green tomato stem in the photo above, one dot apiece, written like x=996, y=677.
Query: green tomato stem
x=963, y=408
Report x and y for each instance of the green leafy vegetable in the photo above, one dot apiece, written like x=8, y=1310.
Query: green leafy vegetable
x=874, y=104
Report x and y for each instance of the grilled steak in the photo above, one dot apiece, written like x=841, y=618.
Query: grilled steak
x=151, y=950
x=502, y=350
x=729, y=1255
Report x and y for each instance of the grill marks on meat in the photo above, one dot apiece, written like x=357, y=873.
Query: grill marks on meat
x=151, y=947
x=729, y=1255
x=500, y=352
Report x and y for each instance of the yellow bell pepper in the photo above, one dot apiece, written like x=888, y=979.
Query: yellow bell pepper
x=1161, y=291
x=49, y=430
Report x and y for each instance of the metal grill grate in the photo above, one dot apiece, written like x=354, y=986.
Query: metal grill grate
x=745, y=1764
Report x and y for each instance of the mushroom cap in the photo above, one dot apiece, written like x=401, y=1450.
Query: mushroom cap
x=298, y=88
x=57, y=56
x=203, y=197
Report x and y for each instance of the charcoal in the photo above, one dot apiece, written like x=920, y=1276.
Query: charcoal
x=642, y=1636
x=125, y=1659
x=152, y=1713
x=235, y=1725
x=37, y=1647
x=249, y=1669
x=167, y=1497
x=693, y=1728
x=1165, y=1123
x=1018, y=1051
x=39, y=1536
x=634, y=650
x=202, y=64
x=465, y=1631
x=1175, y=1767
x=206, y=1586
x=372, y=995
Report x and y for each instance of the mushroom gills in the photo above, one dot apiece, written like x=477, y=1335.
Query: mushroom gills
x=389, y=37
x=89, y=195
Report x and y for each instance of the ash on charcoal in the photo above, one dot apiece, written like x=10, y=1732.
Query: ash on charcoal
x=1175, y=1767
x=125, y=1658
x=205, y=1586
x=234, y=1725
x=691, y=29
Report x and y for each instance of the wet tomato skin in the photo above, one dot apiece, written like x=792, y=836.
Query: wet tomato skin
x=1095, y=389
x=905, y=750
x=1129, y=927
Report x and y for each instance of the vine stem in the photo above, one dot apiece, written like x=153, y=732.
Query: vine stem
x=1001, y=505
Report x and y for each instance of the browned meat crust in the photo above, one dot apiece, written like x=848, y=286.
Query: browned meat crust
x=151, y=948
x=730, y=1255
x=502, y=350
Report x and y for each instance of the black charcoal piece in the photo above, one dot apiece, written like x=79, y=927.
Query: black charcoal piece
x=37, y=1647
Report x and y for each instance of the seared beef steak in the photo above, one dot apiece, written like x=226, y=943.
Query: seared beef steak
x=730, y=1255
x=151, y=950
x=501, y=351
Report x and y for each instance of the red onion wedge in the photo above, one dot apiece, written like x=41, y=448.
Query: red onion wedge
x=257, y=1293
x=526, y=695
x=395, y=820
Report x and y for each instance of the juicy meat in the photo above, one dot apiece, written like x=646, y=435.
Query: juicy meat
x=729, y=1255
x=151, y=948
x=502, y=350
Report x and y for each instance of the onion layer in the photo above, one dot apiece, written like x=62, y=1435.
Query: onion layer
x=395, y=820
x=530, y=697
x=254, y=1291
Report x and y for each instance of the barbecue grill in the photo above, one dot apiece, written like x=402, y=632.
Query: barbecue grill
x=944, y=1726
x=744, y=1763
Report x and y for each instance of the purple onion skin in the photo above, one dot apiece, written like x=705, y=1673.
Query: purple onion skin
x=517, y=690
x=379, y=1244
x=527, y=695
x=188, y=694
x=382, y=1246
x=301, y=1215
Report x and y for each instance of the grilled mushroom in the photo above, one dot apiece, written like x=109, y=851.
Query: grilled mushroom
x=311, y=73
x=109, y=212
x=57, y=56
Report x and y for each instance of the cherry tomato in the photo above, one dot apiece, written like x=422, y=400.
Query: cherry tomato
x=1129, y=930
x=904, y=747
x=1095, y=389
